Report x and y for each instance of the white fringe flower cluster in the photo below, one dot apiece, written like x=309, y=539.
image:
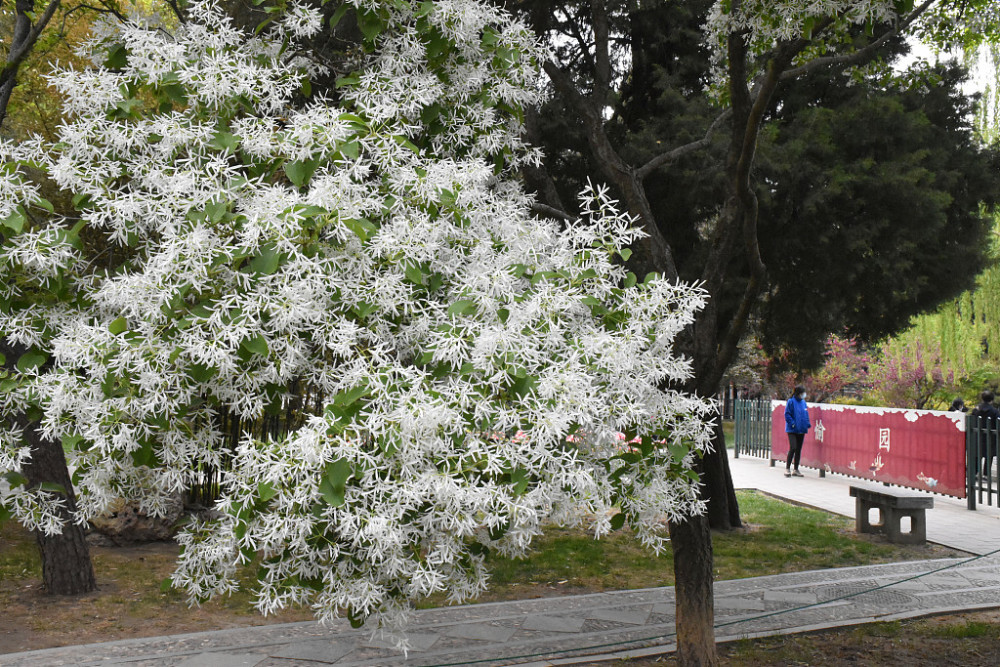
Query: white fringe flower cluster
x=364, y=272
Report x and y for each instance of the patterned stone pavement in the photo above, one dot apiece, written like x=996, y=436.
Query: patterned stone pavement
x=571, y=629
x=564, y=630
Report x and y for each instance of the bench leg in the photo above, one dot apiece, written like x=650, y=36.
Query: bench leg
x=861, y=522
x=918, y=526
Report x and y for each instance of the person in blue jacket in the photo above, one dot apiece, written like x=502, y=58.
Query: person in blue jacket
x=797, y=424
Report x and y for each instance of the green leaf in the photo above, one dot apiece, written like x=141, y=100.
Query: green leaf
x=82, y=201
x=224, y=141
x=46, y=204
x=3, y=359
x=425, y=8
x=626, y=253
x=350, y=149
x=414, y=274
x=70, y=442
x=166, y=585
x=519, y=480
x=176, y=93
x=118, y=326
x=52, y=487
x=30, y=360
x=14, y=222
x=16, y=479
x=117, y=57
x=266, y=262
x=256, y=345
x=300, y=171
x=201, y=372
x=524, y=386
x=371, y=25
x=461, y=307
x=810, y=25
x=307, y=89
x=216, y=210
x=339, y=14
x=334, y=496
x=344, y=81
x=630, y=280
x=406, y=143
x=363, y=228
x=144, y=456
x=356, y=620
x=617, y=521
x=350, y=396
x=339, y=471
x=677, y=452
x=266, y=491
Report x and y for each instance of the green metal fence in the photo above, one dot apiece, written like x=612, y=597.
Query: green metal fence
x=753, y=427
x=982, y=437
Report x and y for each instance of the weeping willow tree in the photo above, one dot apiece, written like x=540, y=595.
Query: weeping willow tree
x=964, y=334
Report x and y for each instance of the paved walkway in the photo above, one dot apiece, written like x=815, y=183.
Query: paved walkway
x=574, y=629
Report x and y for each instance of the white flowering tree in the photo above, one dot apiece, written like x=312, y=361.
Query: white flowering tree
x=417, y=368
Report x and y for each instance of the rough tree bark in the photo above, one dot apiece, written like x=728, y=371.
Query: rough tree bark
x=695, y=612
x=66, y=564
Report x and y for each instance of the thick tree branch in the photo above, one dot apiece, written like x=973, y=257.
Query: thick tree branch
x=654, y=253
x=676, y=153
x=25, y=36
x=22, y=41
x=862, y=55
x=551, y=212
x=602, y=53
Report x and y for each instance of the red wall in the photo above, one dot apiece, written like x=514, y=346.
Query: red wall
x=922, y=449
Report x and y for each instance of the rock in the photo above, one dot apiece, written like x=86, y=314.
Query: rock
x=123, y=523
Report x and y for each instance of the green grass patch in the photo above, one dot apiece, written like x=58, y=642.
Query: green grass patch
x=967, y=630
x=886, y=630
x=18, y=557
x=782, y=537
x=729, y=430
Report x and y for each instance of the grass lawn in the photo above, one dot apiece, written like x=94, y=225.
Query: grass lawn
x=779, y=538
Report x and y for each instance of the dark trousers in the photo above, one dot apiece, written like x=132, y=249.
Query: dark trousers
x=795, y=441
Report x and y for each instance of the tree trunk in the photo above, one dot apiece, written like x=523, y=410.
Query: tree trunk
x=695, y=612
x=66, y=564
x=723, y=508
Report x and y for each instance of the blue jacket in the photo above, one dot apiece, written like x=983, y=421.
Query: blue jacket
x=796, y=416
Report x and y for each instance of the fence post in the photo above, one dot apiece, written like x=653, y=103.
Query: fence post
x=971, y=462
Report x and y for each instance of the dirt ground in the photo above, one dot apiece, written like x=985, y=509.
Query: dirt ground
x=127, y=604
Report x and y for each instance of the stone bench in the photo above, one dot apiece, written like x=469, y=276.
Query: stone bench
x=892, y=507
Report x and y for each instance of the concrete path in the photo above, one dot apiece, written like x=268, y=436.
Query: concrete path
x=568, y=630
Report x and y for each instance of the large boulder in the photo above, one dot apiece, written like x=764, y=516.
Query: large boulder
x=124, y=523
